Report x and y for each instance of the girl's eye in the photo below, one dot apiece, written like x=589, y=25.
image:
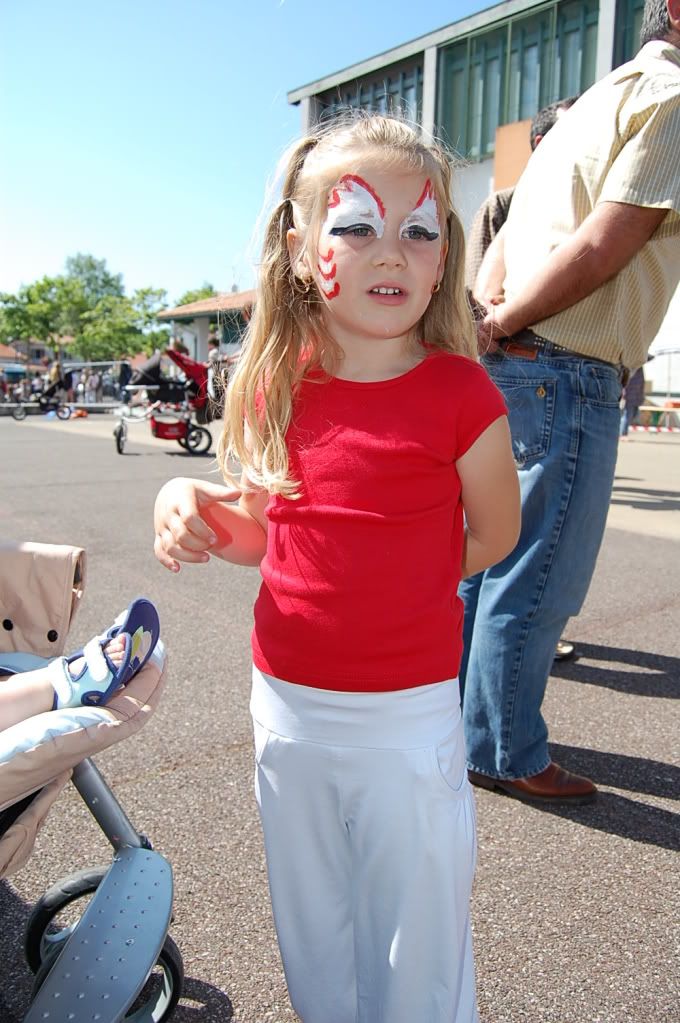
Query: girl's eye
x=416, y=233
x=355, y=230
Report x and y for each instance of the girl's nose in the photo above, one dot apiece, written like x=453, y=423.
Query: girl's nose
x=389, y=252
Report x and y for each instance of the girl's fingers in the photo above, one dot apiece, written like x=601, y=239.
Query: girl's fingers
x=189, y=530
x=162, y=556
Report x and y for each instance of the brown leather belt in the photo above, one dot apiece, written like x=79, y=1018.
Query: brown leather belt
x=528, y=345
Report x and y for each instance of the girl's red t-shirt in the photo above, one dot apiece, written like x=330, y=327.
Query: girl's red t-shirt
x=360, y=577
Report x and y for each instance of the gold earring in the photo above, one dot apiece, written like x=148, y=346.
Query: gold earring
x=435, y=287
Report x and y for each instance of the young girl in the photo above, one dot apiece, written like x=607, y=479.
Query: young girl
x=366, y=430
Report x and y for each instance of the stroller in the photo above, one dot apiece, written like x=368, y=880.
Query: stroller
x=48, y=401
x=168, y=404
x=77, y=965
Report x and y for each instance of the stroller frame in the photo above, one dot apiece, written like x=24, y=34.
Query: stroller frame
x=97, y=968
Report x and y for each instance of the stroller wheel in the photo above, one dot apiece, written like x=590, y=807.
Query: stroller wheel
x=51, y=921
x=197, y=440
x=54, y=918
x=19, y=413
x=63, y=411
x=120, y=434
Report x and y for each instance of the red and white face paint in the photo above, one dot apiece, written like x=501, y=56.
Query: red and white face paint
x=352, y=205
x=424, y=220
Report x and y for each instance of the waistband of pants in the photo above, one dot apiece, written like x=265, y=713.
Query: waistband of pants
x=524, y=342
x=406, y=719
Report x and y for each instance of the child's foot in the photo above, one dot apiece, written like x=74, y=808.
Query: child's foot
x=91, y=676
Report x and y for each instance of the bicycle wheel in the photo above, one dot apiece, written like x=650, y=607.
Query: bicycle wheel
x=197, y=440
x=19, y=413
x=120, y=434
x=63, y=411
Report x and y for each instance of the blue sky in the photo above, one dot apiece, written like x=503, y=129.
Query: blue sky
x=144, y=131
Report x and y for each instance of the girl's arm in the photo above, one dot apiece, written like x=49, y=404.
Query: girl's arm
x=194, y=519
x=490, y=495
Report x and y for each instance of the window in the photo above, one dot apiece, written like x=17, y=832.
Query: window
x=628, y=25
x=396, y=90
x=510, y=71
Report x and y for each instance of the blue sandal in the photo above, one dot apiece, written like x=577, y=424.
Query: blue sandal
x=100, y=678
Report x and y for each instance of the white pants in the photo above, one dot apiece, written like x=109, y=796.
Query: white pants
x=369, y=830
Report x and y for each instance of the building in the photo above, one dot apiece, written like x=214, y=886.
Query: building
x=226, y=314
x=473, y=82
x=477, y=83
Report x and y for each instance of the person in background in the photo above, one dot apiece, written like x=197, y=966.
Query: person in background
x=576, y=285
x=488, y=221
x=633, y=397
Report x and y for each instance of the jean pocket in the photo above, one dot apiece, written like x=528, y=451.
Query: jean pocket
x=600, y=386
x=449, y=763
x=531, y=408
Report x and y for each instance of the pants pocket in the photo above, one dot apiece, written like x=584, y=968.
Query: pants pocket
x=531, y=407
x=261, y=736
x=449, y=763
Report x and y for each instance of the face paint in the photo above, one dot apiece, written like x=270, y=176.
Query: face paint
x=423, y=222
x=352, y=204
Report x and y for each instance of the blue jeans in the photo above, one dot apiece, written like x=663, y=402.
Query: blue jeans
x=564, y=418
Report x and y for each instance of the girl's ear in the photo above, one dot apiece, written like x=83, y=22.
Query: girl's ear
x=298, y=262
x=442, y=259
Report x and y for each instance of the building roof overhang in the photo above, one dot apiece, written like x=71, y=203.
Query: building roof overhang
x=231, y=301
x=439, y=37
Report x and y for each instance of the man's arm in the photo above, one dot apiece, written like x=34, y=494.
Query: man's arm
x=488, y=285
x=602, y=246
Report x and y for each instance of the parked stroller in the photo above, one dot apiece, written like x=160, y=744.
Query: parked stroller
x=116, y=961
x=48, y=401
x=169, y=405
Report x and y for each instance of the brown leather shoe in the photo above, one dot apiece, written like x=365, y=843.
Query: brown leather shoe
x=554, y=785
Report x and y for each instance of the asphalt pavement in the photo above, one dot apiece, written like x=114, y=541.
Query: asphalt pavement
x=576, y=911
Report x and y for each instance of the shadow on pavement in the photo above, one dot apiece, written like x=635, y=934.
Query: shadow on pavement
x=209, y=1004
x=660, y=677
x=618, y=771
x=643, y=497
x=616, y=814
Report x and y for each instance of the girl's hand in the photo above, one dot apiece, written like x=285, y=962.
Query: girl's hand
x=181, y=532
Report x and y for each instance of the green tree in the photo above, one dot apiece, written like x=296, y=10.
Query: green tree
x=47, y=310
x=119, y=325
x=94, y=277
x=206, y=291
x=85, y=309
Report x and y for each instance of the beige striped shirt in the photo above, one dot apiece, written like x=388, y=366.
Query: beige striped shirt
x=619, y=143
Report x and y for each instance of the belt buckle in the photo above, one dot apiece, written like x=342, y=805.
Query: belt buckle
x=513, y=348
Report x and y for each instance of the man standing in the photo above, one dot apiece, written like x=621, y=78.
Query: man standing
x=590, y=258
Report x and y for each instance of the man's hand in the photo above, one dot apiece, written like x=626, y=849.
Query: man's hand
x=492, y=327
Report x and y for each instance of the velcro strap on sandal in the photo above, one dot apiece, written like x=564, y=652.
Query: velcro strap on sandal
x=97, y=664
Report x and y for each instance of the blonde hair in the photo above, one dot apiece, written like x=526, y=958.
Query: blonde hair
x=286, y=337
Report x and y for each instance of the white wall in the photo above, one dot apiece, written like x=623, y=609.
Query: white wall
x=471, y=185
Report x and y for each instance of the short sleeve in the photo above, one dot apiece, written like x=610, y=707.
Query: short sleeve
x=481, y=405
x=645, y=171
